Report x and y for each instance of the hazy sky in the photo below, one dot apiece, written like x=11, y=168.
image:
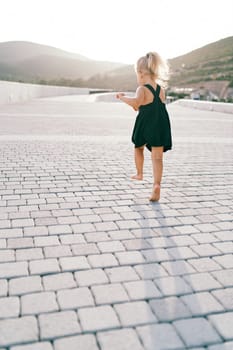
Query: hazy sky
x=120, y=30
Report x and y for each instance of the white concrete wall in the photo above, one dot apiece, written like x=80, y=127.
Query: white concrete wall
x=204, y=105
x=12, y=92
x=207, y=105
x=108, y=97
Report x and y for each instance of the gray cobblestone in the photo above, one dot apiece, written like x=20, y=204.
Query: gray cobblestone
x=7, y=255
x=202, y=303
x=3, y=288
x=103, y=260
x=75, y=298
x=18, y=330
x=91, y=277
x=129, y=258
x=45, y=221
x=13, y=269
x=224, y=247
x=57, y=251
x=5, y=224
x=172, y=285
x=20, y=243
x=135, y=244
x=59, y=281
x=90, y=218
x=206, y=227
x=224, y=235
x=38, y=303
x=29, y=254
x=180, y=253
x=46, y=241
x=223, y=346
x=87, y=342
x=40, y=214
x=225, y=277
x=72, y=239
x=121, y=234
x=84, y=249
x=11, y=233
x=35, y=346
x=150, y=271
x=22, y=222
x=2, y=243
x=142, y=290
x=105, y=226
x=59, y=229
x=223, y=324
x=179, y=267
x=187, y=229
x=169, y=309
x=9, y=307
x=19, y=215
x=98, y=318
x=204, y=238
x=135, y=313
x=159, y=336
x=196, y=332
x=97, y=237
x=25, y=285
x=110, y=247
x=109, y=294
x=204, y=264
x=225, y=297
x=74, y=263
x=82, y=211
x=156, y=255
x=121, y=274
x=226, y=261
x=36, y=231
x=206, y=250
x=124, y=339
x=202, y=282
x=58, y=324
x=83, y=228
x=68, y=220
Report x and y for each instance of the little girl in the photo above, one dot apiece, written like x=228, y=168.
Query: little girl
x=152, y=126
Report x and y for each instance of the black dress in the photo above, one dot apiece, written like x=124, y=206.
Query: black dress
x=152, y=126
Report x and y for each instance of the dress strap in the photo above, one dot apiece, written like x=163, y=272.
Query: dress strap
x=156, y=91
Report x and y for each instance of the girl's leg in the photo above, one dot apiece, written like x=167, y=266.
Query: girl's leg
x=157, y=164
x=139, y=161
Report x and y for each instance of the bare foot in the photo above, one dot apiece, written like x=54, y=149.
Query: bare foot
x=155, y=195
x=137, y=177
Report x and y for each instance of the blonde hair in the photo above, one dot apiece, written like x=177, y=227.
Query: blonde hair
x=153, y=64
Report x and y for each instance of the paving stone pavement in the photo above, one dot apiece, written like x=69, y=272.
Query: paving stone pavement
x=86, y=261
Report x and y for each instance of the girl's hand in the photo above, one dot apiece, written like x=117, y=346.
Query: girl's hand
x=119, y=95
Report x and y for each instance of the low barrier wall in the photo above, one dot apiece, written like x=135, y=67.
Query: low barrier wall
x=12, y=92
x=207, y=105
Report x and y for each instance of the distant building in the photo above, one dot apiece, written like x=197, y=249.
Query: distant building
x=203, y=94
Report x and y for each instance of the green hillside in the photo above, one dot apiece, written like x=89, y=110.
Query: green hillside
x=209, y=63
x=210, y=67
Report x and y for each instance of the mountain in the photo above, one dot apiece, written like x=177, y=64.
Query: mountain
x=208, y=63
x=209, y=67
x=26, y=61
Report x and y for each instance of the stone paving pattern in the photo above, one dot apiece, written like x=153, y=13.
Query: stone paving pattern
x=87, y=262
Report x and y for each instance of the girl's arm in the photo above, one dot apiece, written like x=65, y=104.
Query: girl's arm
x=135, y=101
x=162, y=95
